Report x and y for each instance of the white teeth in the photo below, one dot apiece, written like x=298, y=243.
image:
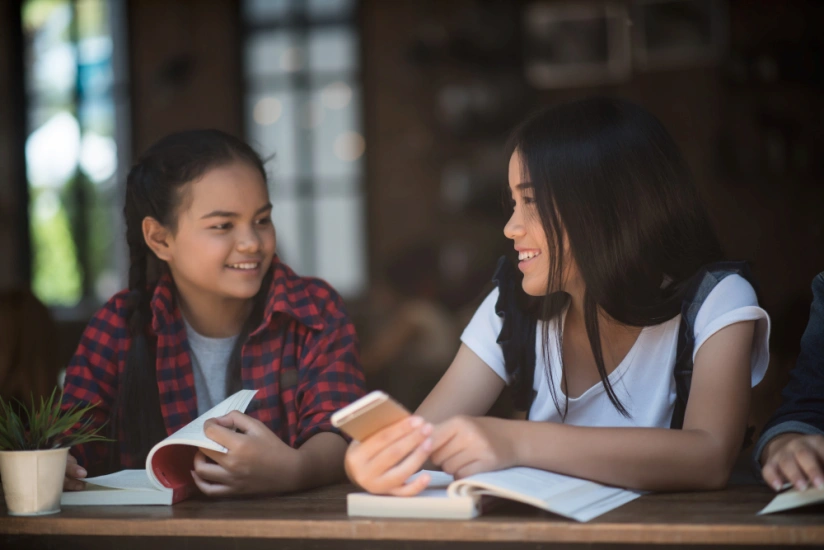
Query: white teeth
x=244, y=266
x=528, y=255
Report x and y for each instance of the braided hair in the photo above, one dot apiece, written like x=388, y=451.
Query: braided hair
x=155, y=188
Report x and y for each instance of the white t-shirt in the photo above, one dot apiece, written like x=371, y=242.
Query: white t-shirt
x=644, y=381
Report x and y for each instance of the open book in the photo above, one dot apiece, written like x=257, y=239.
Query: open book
x=445, y=498
x=167, y=478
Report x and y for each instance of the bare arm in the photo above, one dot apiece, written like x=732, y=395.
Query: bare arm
x=320, y=461
x=258, y=462
x=468, y=387
x=700, y=456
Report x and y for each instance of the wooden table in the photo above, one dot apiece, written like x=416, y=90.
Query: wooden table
x=317, y=519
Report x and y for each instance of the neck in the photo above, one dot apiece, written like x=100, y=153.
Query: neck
x=211, y=316
x=608, y=326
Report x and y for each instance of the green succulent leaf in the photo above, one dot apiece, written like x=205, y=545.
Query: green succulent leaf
x=45, y=425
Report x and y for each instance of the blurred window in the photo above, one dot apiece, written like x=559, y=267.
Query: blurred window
x=303, y=111
x=76, y=127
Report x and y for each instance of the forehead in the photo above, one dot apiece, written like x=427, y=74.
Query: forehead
x=236, y=187
x=516, y=171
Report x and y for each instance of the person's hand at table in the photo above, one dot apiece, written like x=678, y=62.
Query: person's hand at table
x=382, y=463
x=73, y=481
x=466, y=445
x=795, y=458
x=257, y=460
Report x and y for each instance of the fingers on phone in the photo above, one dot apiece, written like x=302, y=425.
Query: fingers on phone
x=389, y=435
x=409, y=463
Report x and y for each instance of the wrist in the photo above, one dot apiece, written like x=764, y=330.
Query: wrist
x=290, y=472
x=775, y=444
x=515, y=442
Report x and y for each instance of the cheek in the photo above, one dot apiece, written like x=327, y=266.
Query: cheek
x=206, y=249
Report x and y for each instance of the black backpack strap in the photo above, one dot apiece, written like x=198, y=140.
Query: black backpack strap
x=518, y=332
x=699, y=288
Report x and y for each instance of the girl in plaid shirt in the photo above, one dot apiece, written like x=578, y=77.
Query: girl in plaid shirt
x=209, y=310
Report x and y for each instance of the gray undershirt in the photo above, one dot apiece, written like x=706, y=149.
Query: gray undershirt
x=210, y=361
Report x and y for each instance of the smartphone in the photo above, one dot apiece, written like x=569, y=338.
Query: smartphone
x=369, y=414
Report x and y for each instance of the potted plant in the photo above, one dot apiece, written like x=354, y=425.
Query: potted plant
x=34, y=444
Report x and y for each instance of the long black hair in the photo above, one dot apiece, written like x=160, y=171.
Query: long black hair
x=607, y=174
x=155, y=188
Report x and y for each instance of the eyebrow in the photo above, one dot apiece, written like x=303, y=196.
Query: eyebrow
x=226, y=214
x=524, y=185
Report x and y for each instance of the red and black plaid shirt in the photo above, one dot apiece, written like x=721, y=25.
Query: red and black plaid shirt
x=303, y=359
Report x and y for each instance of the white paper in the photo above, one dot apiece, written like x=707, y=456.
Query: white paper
x=193, y=433
x=571, y=497
x=793, y=499
x=125, y=479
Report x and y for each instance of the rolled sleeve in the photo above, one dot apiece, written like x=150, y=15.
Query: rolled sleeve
x=331, y=378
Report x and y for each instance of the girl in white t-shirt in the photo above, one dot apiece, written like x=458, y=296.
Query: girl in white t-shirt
x=609, y=231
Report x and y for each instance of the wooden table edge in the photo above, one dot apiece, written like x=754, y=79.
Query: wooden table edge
x=469, y=531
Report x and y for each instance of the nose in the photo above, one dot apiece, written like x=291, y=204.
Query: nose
x=249, y=242
x=514, y=228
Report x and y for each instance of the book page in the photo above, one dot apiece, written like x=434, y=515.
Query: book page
x=568, y=496
x=132, y=480
x=192, y=433
x=436, y=479
x=793, y=499
x=168, y=465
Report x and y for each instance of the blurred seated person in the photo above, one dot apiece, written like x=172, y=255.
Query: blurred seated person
x=411, y=338
x=791, y=447
x=29, y=365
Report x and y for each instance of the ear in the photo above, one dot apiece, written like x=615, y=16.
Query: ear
x=157, y=238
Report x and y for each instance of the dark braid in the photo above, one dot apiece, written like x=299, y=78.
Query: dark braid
x=137, y=392
x=154, y=189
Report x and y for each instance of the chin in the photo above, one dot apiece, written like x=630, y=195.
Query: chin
x=243, y=293
x=533, y=289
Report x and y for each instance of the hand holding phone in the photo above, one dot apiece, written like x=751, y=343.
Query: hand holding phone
x=368, y=415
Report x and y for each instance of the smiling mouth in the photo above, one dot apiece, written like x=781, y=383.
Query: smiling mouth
x=245, y=266
x=528, y=255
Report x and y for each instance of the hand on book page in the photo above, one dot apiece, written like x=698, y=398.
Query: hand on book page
x=169, y=463
x=167, y=477
x=463, y=446
x=257, y=460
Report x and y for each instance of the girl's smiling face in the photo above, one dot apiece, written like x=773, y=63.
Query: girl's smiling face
x=224, y=240
x=529, y=236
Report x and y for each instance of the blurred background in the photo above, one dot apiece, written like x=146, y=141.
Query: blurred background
x=385, y=124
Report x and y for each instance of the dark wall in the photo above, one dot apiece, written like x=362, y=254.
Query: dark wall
x=740, y=122
x=12, y=182
x=185, y=68
x=731, y=123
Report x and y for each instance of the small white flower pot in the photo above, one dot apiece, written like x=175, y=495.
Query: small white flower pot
x=33, y=481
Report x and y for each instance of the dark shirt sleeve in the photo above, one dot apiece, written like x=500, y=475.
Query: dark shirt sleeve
x=331, y=375
x=802, y=405
x=91, y=377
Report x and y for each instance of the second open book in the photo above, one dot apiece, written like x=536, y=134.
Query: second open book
x=445, y=498
x=167, y=478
